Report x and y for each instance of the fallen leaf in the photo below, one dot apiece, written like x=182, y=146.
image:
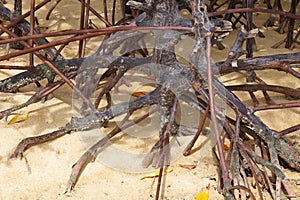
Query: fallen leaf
x=188, y=166
x=18, y=118
x=203, y=194
x=155, y=173
x=138, y=94
x=226, y=146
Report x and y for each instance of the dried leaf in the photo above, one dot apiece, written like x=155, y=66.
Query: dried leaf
x=155, y=173
x=18, y=118
x=226, y=146
x=138, y=94
x=188, y=166
x=203, y=194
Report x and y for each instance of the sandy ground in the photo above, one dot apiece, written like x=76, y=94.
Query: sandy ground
x=49, y=165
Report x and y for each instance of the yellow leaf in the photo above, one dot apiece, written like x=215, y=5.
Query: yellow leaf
x=226, y=147
x=203, y=194
x=18, y=118
x=156, y=173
